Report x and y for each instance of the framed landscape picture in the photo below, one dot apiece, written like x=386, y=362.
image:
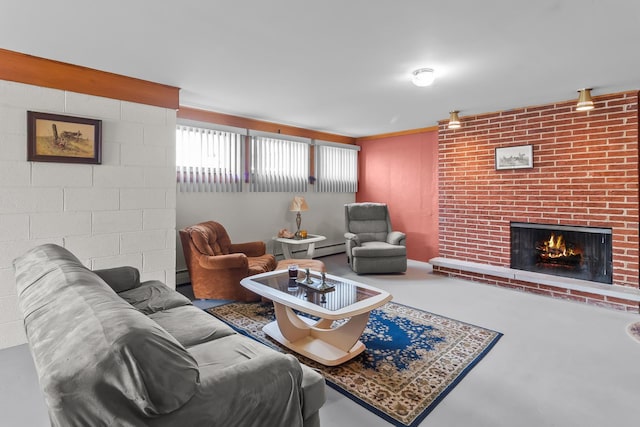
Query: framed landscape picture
x=519, y=157
x=63, y=139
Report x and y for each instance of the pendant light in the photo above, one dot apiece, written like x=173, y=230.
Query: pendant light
x=585, y=103
x=454, y=120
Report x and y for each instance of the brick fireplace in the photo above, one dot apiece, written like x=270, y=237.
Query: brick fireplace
x=584, y=174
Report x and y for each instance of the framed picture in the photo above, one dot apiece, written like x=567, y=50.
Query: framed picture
x=519, y=157
x=63, y=139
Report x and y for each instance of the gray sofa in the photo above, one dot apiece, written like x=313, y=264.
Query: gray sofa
x=111, y=351
x=372, y=245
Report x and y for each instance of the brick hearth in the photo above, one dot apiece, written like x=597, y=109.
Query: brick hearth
x=585, y=173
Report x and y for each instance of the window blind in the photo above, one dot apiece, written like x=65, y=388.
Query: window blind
x=278, y=165
x=336, y=168
x=208, y=160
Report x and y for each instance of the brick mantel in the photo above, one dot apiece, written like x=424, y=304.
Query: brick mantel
x=585, y=173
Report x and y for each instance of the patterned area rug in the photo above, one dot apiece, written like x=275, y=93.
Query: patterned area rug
x=413, y=357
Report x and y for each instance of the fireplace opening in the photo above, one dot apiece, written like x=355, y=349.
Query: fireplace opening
x=577, y=252
x=556, y=251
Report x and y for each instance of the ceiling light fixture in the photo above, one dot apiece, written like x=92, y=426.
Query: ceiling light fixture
x=585, y=103
x=454, y=120
x=423, y=77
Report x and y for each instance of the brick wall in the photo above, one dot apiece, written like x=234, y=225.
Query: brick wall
x=585, y=173
x=121, y=212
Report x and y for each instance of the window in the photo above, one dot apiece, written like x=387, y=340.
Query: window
x=336, y=168
x=208, y=160
x=278, y=165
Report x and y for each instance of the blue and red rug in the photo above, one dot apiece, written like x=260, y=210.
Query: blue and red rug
x=412, y=360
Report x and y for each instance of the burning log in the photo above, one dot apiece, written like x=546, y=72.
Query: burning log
x=556, y=251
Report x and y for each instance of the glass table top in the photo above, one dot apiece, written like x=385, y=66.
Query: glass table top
x=342, y=295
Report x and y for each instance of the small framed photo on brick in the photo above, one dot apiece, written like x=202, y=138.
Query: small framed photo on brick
x=519, y=157
x=63, y=139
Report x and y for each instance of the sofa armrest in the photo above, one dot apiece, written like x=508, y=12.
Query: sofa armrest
x=249, y=248
x=243, y=388
x=224, y=262
x=396, y=238
x=120, y=278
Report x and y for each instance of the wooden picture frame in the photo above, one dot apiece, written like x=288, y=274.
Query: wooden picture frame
x=518, y=157
x=63, y=139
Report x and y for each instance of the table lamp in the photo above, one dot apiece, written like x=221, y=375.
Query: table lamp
x=298, y=204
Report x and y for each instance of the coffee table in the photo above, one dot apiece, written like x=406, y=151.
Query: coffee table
x=349, y=303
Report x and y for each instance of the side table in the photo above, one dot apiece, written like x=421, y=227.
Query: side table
x=311, y=240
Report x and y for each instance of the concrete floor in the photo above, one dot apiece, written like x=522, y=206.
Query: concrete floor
x=559, y=363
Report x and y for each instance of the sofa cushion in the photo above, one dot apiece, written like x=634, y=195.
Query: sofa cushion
x=367, y=211
x=147, y=364
x=89, y=345
x=368, y=220
x=369, y=230
x=228, y=351
x=201, y=240
x=257, y=389
x=210, y=238
x=120, y=278
x=261, y=264
x=190, y=325
x=153, y=296
x=237, y=349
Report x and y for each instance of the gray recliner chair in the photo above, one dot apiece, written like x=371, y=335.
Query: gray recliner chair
x=372, y=246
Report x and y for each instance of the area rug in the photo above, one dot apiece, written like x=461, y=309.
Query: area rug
x=412, y=360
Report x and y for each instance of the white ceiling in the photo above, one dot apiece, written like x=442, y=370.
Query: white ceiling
x=343, y=66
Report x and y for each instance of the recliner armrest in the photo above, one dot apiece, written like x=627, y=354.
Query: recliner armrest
x=396, y=238
x=355, y=240
x=224, y=262
x=249, y=248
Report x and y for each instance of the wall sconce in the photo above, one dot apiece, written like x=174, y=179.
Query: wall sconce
x=585, y=103
x=298, y=204
x=454, y=120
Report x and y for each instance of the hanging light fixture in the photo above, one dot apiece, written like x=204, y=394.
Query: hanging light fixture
x=454, y=120
x=423, y=77
x=585, y=103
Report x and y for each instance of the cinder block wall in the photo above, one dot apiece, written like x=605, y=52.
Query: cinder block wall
x=121, y=212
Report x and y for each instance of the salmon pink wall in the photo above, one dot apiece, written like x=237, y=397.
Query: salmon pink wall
x=402, y=171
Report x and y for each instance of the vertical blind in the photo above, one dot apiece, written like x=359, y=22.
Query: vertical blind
x=278, y=165
x=208, y=160
x=336, y=169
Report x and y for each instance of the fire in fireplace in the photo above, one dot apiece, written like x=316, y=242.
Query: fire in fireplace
x=569, y=251
x=555, y=251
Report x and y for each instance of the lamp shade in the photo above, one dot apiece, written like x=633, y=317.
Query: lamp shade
x=298, y=204
x=585, y=102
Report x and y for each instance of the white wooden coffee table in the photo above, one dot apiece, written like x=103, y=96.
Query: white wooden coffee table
x=317, y=339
